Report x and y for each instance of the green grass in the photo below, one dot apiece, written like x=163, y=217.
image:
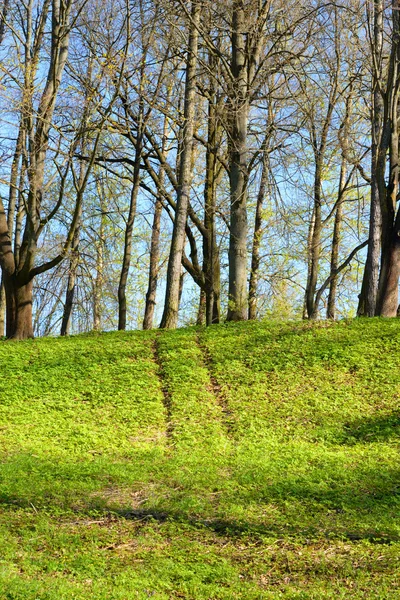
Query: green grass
x=250, y=460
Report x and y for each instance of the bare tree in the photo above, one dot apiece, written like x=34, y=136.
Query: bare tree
x=170, y=315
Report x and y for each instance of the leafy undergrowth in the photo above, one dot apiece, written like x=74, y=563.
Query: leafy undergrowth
x=250, y=460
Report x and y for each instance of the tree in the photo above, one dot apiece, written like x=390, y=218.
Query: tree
x=18, y=266
x=170, y=316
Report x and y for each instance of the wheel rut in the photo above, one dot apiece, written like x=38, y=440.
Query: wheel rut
x=167, y=400
x=215, y=386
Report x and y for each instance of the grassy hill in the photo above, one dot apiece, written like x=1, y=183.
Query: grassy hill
x=250, y=460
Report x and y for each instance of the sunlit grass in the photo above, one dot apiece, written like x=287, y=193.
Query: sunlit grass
x=251, y=460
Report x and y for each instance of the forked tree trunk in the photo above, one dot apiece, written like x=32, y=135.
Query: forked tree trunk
x=171, y=306
x=368, y=297
x=389, y=147
x=19, y=269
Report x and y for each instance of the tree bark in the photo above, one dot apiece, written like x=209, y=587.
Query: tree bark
x=19, y=325
x=331, y=309
x=126, y=260
x=2, y=309
x=315, y=238
x=99, y=278
x=155, y=241
x=72, y=274
x=389, y=275
x=238, y=175
x=201, y=311
x=153, y=267
x=3, y=19
x=368, y=297
x=171, y=306
x=255, y=254
x=211, y=264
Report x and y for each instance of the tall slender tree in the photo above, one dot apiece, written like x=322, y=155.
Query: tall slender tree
x=171, y=306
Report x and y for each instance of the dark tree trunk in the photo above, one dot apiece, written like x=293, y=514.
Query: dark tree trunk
x=315, y=242
x=201, y=312
x=390, y=296
x=70, y=293
x=126, y=260
x=3, y=18
x=255, y=254
x=19, y=309
x=211, y=266
x=154, y=267
x=74, y=262
x=331, y=309
x=368, y=297
x=389, y=147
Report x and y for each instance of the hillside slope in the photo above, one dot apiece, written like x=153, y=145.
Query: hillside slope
x=250, y=460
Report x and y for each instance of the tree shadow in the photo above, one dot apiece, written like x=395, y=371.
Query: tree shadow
x=349, y=508
x=377, y=428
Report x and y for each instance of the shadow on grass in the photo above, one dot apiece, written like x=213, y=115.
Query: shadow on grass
x=349, y=510
x=378, y=428
x=233, y=528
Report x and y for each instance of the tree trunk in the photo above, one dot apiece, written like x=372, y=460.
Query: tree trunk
x=211, y=264
x=74, y=260
x=19, y=269
x=154, y=267
x=155, y=242
x=3, y=17
x=99, y=280
x=369, y=290
x=70, y=293
x=2, y=309
x=238, y=176
x=388, y=192
x=315, y=245
x=19, y=309
x=170, y=315
x=331, y=309
x=201, y=311
x=390, y=296
x=255, y=254
x=126, y=260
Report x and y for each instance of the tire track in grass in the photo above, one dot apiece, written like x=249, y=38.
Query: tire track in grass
x=167, y=401
x=193, y=408
x=215, y=387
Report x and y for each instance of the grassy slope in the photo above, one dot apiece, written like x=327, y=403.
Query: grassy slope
x=243, y=461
